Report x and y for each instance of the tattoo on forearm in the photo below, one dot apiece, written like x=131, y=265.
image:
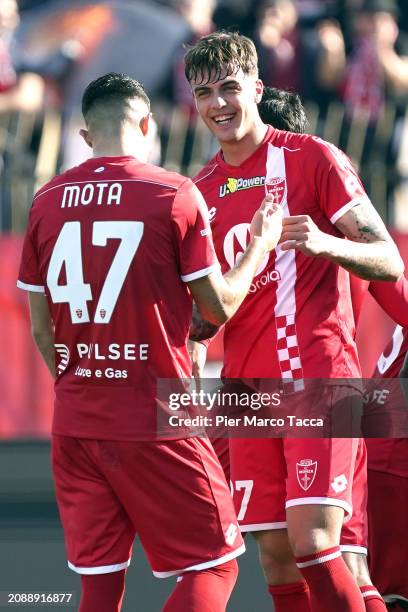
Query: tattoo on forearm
x=201, y=329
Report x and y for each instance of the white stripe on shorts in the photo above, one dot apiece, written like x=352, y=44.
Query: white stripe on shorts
x=101, y=569
x=325, y=501
x=263, y=526
x=205, y=565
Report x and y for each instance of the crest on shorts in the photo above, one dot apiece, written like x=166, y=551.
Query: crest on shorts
x=102, y=312
x=79, y=313
x=277, y=188
x=306, y=472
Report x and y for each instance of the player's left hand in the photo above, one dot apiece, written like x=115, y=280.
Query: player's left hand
x=300, y=232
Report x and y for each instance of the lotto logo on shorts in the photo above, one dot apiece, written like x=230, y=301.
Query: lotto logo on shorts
x=339, y=484
x=306, y=473
x=231, y=534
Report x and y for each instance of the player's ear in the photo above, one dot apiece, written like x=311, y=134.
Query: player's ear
x=85, y=135
x=144, y=124
x=259, y=87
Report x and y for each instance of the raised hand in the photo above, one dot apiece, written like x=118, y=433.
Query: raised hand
x=267, y=223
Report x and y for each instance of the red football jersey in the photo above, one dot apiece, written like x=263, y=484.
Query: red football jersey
x=297, y=320
x=112, y=243
x=389, y=454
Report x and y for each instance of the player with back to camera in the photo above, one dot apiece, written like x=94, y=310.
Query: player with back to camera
x=296, y=326
x=119, y=248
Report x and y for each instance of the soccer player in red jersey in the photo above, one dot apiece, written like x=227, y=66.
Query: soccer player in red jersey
x=297, y=321
x=119, y=247
x=284, y=110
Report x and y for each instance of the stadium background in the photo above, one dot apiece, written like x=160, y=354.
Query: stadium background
x=61, y=46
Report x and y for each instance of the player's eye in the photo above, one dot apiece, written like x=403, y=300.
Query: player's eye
x=201, y=93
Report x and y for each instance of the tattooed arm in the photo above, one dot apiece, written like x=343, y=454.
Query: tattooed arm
x=376, y=254
x=369, y=252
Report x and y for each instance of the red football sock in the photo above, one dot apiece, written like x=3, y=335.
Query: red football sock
x=372, y=599
x=205, y=591
x=102, y=592
x=293, y=597
x=332, y=587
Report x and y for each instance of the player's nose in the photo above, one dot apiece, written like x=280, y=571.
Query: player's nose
x=218, y=101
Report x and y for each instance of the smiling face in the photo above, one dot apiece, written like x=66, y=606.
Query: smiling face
x=228, y=104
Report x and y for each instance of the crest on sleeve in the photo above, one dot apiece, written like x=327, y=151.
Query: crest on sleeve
x=306, y=473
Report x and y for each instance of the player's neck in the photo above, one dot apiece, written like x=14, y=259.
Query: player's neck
x=124, y=147
x=237, y=151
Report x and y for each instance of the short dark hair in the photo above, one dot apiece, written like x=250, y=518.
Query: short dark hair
x=283, y=110
x=112, y=87
x=220, y=54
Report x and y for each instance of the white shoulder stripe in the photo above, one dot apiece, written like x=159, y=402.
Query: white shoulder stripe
x=206, y=175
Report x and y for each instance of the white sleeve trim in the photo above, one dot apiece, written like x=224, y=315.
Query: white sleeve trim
x=205, y=565
x=200, y=273
x=101, y=569
x=35, y=288
x=342, y=211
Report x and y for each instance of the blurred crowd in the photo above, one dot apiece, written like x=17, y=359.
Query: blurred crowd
x=354, y=52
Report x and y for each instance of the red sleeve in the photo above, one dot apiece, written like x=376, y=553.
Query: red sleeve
x=358, y=291
x=393, y=299
x=195, y=246
x=29, y=277
x=337, y=185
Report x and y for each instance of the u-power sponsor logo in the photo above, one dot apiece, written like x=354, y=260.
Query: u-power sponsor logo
x=232, y=185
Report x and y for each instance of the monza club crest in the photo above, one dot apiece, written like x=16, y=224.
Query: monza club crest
x=306, y=473
x=277, y=188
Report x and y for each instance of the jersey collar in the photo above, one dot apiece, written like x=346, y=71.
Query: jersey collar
x=249, y=161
